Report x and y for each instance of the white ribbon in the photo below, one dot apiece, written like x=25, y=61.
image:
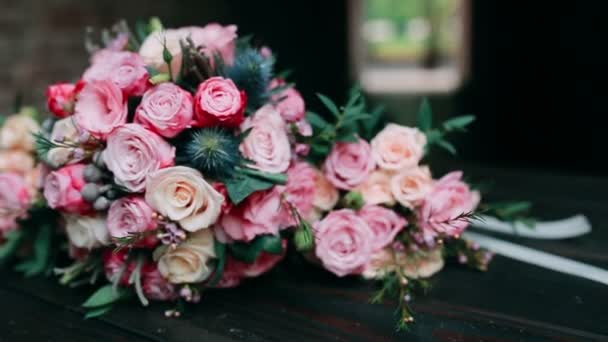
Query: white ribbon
x=561, y=229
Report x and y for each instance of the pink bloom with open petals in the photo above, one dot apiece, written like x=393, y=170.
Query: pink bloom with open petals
x=385, y=224
x=100, y=108
x=349, y=164
x=62, y=190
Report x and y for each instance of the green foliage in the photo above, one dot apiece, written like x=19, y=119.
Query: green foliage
x=249, y=252
x=353, y=200
x=220, y=254
x=436, y=136
x=38, y=262
x=247, y=181
x=10, y=246
x=101, y=302
x=510, y=211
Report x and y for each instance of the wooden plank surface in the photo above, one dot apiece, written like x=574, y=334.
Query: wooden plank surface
x=299, y=302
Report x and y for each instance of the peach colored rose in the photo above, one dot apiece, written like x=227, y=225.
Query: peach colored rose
x=17, y=161
x=410, y=186
x=398, y=147
x=376, y=189
x=182, y=195
x=421, y=265
x=100, y=108
x=166, y=110
x=344, y=242
x=16, y=133
x=133, y=153
x=385, y=224
x=189, y=262
x=381, y=263
x=349, y=164
x=326, y=195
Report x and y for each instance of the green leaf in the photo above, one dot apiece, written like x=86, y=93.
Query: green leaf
x=446, y=145
x=316, y=120
x=369, y=126
x=141, y=29
x=98, y=312
x=241, y=186
x=152, y=71
x=41, y=253
x=458, y=123
x=249, y=252
x=220, y=254
x=104, y=296
x=509, y=209
x=350, y=137
x=348, y=119
x=10, y=246
x=425, y=116
x=329, y=104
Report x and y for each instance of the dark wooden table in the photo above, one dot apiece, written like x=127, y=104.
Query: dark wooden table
x=511, y=302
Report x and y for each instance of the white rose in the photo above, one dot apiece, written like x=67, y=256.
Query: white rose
x=181, y=194
x=188, y=262
x=87, y=232
x=398, y=147
x=64, y=130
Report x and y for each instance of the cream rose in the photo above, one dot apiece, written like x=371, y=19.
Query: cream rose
x=398, y=147
x=409, y=187
x=64, y=130
x=422, y=265
x=377, y=188
x=326, y=195
x=16, y=161
x=16, y=133
x=87, y=232
x=188, y=262
x=182, y=194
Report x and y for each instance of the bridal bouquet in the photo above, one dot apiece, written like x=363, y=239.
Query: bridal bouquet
x=181, y=161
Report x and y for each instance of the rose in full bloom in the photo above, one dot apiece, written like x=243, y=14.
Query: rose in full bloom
x=123, y=68
x=165, y=109
x=211, y=39
x=189, y=261
x=398, y=147
x=64, y=131
x=267, y=144
x=130, y=215
x=385, y=224
x=155, y=286
x=133, y=153
x=448, y=200
x=181, y=194
x=289, y=102
x=16, y=133
x=376, y=189
x=17, y=161
x=219, y=102
x=300, y=189
x=100, y=108
x=62, y=190
x=349, y=164
x=326, y=195
x=344, y=242
x=410, y=186
x=60, y=98
x=115, y=265
x=87, y=232
x=259, y=214
x=15, y=200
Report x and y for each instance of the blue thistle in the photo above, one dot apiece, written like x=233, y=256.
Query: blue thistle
x=252, y=73
x=214, y=151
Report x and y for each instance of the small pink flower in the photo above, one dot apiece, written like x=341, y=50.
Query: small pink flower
x=130, y=215
x=449, y=199
x=344, y=242
x=218, y=102
x=60, y=99
x=349, y=164
x=15, y=200
x=62, y=190
x=398, y=147
x=133, y=153
x=300, y=189
x=100, y=108
x=166, y=109
x=289, y=102
x=123, y=68
x=267, y=145
x=115, y=263
x=259, y=214
x=155, y=286
x=385, y=224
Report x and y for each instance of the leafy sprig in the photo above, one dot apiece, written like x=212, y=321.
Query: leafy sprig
x=437, y=136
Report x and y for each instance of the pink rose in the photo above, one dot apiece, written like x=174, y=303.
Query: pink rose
x=17, y=161
x=155, y=286
x=115, y=264
x=289, y=102
x=304, y=129
x=344, y=242
x=123, y=68
x=165, y=109
x=398, y=147
x=215, y=38
x=62, y=190
x=60, y=98
x=349, y=164
x=134, y=152
x=15, y=200
x=377, y=188
x=385, y=224
x=410, y=186
x=300, y=189
x=259, y=214
x=267, y=145
x=100, y=108
x=130, y=215
x=218, y=102
x=448, y=200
